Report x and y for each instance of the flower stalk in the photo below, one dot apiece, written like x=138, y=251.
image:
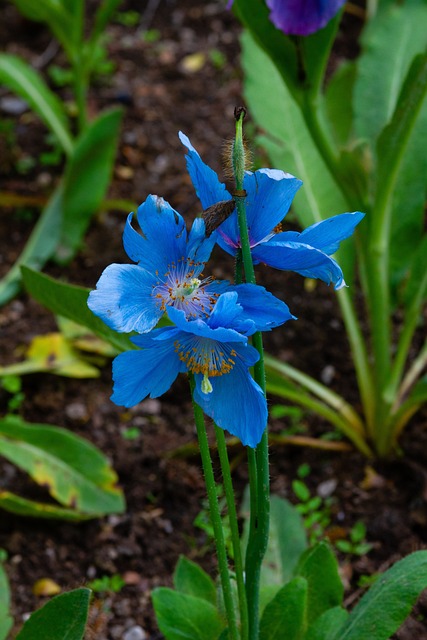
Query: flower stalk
x=258, y=460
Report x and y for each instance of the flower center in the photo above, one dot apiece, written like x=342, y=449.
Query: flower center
x=206, y=356
x=181, y=287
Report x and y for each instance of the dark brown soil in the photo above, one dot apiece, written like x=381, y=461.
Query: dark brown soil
x=164, y=494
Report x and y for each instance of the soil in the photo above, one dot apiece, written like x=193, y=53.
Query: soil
x=162, y=93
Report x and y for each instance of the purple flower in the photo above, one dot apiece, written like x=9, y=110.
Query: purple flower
x=301, y=17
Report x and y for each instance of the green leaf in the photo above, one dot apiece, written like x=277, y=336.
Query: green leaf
x=54, y=14
x=70, y=301
x=189, y=578
x=31, y=509
x=287, y=139
x=388, y=602
x=75, y=472
x=184, y=617
x=390, y=42
x=286, y=542
x=338, y=110
x=284, y=616
x=103, y=15
x=315, y=50
x=325, y=627
x=6, y=620
x=62, y=618
x=52, y=353
x=20, y=78
x=87, y=177
x=325, y=590
x=254, y=15
x=39, y=248
x=408, y=248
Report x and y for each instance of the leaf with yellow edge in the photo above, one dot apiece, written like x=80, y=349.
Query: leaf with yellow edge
x=52, y=353
x=74, y=471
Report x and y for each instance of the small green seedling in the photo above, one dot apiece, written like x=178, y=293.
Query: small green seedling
x=112, y=584
x=356, y=545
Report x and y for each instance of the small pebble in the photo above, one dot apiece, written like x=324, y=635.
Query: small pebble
x=135, y=633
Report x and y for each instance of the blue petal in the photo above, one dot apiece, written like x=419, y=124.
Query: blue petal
x=163, y=239
x=200, y=247
x=222, y=329
x=123, y=299
x=269, y=195
x=302, y=17
x=137, y=374
x=205, y=181
x=236, y=402
x=327, y=234
x=305, y=260
x=264, y=309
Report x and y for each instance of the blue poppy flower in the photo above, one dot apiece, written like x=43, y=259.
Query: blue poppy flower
x=301, y=17
x=133, y=297
x=215, y=350
x=269, y=195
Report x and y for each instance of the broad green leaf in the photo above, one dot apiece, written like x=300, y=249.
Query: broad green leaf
x=87, y=177
x=287, y=139
x=70, y=301
x=285, y=615
x=325, y=590
x=6, y=620
x=189, y=578
x=39, y=248
x=53, y=13
x=74, y=471
x=389, y=42
x=32, y=509
x=287, y=541
x=20, y=78
x=416, y=285
x=254, y=15
x=388, y=602
x=408, y=240
x=184, y=617
x=62, y=618
x=337, y=105
x=326, y=626
x=52, y=353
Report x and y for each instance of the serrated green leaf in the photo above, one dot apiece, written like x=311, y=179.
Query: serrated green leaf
x=388, y=602
x=189, y=578
x=325, y=590
x=70, y=301
x=20, y=78
x=39, y=248
x=74, y=471
x=285, y=615
x=62, y=618
x=87, y=177
x=184, y=617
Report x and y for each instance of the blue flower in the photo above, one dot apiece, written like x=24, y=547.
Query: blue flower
x=301, y=17
x=168, y=273
x=269, y=195
x=215, y=350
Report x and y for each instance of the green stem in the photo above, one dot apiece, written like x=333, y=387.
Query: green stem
x=215, y=516
x=234, y=529
x=258, y=538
